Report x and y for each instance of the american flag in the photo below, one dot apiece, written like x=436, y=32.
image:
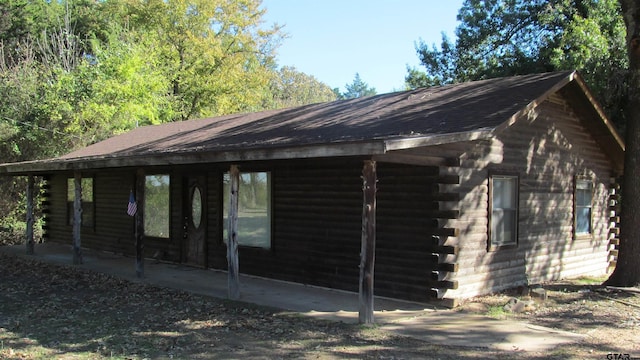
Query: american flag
x=132, y=208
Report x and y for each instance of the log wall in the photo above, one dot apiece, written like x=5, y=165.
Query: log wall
x=316, y=223
x=548, y=148
x=317, y=220
x=113, y=228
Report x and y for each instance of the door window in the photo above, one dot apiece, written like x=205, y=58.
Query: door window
x=196, y=207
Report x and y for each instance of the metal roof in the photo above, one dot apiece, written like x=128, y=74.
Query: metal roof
x=363, y=126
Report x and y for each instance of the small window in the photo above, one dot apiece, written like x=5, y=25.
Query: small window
x=583, y=200
x=503, y=215
x=88, y=207
x=196, y=207
x=157, y=210
x=254, y=209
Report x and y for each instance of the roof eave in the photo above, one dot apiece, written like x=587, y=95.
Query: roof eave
x=438, y=139
x=365, y=148
x=40, y=167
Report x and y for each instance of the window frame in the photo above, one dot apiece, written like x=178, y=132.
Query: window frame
x=146, y=209
x=269, y=210
x=491, y=243
x=591, y=186
x=88, y=218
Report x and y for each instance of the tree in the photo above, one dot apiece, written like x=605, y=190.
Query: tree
x=356, y=89
x=127, y=84
x=61, y=91
x=510, y=37
x=290, y=87
x=216, y=55
x=441, y=66
x=30, y=124
x=627, y=271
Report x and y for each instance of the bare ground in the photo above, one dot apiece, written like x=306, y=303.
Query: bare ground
x=54, y=312
x=610, y=318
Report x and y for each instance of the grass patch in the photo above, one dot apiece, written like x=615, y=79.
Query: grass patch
x=589, y=280
x=497, y=311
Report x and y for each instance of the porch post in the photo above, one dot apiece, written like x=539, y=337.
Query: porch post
x=30, y=218
x=139, y=221
x=368, y=243
x=77, y=217
x=232, y=235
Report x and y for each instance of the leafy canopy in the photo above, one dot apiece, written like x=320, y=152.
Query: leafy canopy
x=290, y=87
x=357, y=88
x=510, y=37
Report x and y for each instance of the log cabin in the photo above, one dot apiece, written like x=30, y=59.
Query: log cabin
x=435, y=194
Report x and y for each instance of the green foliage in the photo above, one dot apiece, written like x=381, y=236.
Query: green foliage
x=29, y=114
x=440, y=64
x=358, y=88
x=125, y=76
x=497, y=312
x=289, y=87
x=510, y=37
x=214, y=53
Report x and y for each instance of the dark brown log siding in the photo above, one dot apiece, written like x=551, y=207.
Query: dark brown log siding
x=113, y=229
x=316, y=221
x=317, y=208
x=404, y=248
x=316, y=229
x=216, y=250
x=57, y=229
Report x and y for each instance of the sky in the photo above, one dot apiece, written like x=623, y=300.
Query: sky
x=335, y=39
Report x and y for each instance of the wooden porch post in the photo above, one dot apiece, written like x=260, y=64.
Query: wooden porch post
x=77, y=217
x=232, y=235
x=30, y=218
x=368, y=244
x=139, y=227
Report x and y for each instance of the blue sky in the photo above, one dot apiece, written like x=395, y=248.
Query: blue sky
x=335, y=39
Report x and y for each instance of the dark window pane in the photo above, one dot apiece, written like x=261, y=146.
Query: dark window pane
x=504, y=212
x=254, y=209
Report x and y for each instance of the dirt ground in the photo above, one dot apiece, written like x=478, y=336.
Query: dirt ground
x=610, y=318
x=54, y=312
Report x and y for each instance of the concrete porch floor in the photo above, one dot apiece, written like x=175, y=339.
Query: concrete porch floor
x=421, y=321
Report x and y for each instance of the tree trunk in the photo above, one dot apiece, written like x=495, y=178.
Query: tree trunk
x=627, y=271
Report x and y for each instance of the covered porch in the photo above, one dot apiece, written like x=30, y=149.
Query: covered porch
x=426, y=322
x=317, y=302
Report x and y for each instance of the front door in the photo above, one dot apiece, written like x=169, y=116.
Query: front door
x=195, y=217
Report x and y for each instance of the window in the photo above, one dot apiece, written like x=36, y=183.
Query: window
x=583, y=202
x=503, y=216
x=254, y=209
x=88, y=208
x=157, y=208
